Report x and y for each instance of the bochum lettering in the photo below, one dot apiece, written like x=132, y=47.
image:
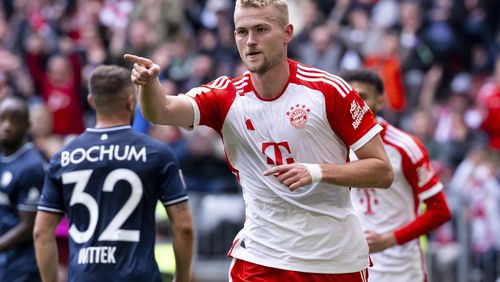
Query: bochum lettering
x=100, y=153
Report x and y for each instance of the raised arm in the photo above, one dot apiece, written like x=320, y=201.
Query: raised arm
x=155, y=105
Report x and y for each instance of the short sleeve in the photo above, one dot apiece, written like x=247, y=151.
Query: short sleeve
x=52, y=198
x=211, y=102
x=30, y=187
x=351, y=119
x=419, y=172
x=172, y=186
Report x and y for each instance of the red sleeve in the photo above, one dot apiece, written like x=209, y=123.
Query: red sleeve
x=424, y=182
x=436, y=214
x=417, y=168
x=213, y=101
x=349, y=117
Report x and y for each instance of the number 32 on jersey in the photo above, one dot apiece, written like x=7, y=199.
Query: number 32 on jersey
x=113, y=231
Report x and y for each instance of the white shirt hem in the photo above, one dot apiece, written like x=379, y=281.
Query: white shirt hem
x=333, y=268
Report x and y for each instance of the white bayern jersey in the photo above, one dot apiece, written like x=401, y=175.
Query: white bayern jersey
x=386, y=210
x=315, y=119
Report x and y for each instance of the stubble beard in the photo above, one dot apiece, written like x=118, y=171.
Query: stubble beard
x=259, y=67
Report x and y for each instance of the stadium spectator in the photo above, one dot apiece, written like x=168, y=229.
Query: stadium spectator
x=476, y=180
x=22, y=172
x=322, y=50
x=455, y=123
x=41, y=131
x=59, y=84
x=286, y=130
x=391, y=217
x=109, y=192
x=388, y=64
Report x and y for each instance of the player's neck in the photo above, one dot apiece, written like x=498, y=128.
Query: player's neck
x=11, y=149
x=270, y=84
x=110, y=122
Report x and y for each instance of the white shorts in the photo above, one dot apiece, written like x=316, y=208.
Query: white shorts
x=413, y=274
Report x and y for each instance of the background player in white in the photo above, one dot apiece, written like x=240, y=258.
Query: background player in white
x=287, y=129
x=391, y=217
x=21, y=180
x=108, y=181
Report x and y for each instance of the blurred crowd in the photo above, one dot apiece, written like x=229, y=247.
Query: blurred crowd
x=439, y=60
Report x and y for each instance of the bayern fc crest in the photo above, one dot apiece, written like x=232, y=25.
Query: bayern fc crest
x=298, y=115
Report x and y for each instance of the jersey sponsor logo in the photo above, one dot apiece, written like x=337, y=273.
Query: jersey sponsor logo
x=277, y=152
x=368, y=199
x=298, y=115
x=6, y=178
x=425, y=173
x=357, y=112
x=104, y=255
x=104, y=152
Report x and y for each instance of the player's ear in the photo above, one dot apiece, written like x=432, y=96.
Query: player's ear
x=288, y=33
x=90, y=100
x=131, y=101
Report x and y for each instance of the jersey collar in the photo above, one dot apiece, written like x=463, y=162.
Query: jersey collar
x=292, y=65
x=108, y=129
x=17, y=154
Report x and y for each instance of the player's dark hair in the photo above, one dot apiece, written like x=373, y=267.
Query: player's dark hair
x=107, y=85
x=364, y=76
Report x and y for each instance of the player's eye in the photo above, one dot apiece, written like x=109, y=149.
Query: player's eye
x=241, y=32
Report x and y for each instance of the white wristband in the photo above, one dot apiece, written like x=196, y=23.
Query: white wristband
x=315, y=172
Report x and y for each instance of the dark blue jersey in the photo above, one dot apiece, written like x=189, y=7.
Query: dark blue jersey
x=108, y=182
x=21, y=180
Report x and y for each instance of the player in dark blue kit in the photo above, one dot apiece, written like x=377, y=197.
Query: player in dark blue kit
x=108, y=181
x=21, y=180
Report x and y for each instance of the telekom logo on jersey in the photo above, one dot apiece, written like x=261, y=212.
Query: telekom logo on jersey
x=276, y=153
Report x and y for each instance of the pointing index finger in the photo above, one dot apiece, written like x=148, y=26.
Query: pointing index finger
x=138, y=60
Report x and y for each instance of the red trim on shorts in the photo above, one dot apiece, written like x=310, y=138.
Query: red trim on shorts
x=232, y=247
x=244, y=271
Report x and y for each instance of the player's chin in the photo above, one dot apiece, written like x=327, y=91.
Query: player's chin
x=252, y=67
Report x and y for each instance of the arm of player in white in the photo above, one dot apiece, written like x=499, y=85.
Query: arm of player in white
x=372, y=170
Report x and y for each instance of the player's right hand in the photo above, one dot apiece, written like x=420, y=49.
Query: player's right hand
x=144, y=72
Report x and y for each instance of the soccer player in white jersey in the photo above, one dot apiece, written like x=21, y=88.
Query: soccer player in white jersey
x=287, y=129
x=390, y=217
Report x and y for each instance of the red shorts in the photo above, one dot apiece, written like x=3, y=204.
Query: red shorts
x=243, y=271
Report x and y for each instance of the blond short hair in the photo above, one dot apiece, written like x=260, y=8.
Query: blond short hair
x=280, y=5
